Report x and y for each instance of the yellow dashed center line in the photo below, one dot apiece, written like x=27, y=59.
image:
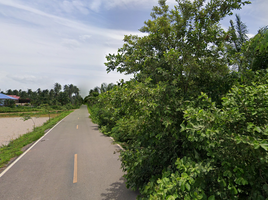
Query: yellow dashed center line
x=75, y=169
x=77, y=127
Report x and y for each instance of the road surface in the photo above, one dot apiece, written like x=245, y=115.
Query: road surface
x=73, y=161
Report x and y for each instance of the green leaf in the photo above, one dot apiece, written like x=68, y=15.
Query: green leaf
x=212, y=197
x=265, y=187
x=227, y=173
x=188, y=187
x=183, y=128
x=264, y=146
x=172, y=197
x=182, y=187
x=257, y=129
x=187, y=197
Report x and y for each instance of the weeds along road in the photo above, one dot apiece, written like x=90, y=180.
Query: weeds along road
x=73, y=161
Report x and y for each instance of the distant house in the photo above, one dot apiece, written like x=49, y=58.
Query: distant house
x=4, y=97
x=16, y=97
x=20, y=100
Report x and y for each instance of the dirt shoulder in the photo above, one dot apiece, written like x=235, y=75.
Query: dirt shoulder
x=12, y=128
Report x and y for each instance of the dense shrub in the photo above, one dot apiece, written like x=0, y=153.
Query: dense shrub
x=180, y=144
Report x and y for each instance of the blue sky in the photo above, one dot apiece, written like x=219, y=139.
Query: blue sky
x=47, y=41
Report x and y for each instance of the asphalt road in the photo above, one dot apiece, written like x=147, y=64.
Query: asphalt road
x=73, y=161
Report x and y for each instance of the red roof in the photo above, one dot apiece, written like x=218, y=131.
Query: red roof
x=14, y=96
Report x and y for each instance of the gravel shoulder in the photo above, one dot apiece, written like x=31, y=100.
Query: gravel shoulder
x=12, y=128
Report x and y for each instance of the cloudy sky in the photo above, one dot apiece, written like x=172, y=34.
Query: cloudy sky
x=47, y=41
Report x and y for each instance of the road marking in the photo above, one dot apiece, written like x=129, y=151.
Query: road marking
x=75, y=169
x=30, y=148
x=77, y=127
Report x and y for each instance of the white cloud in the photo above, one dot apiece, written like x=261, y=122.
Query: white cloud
x=250, y=35
x=96, y=5
x=84, y=37
x=68, y=6
x=70, y=43
x=81, y=7
x=28, y=79
x=258, y=9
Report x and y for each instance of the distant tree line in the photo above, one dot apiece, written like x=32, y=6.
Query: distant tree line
x=58, y=96
x=91, y=98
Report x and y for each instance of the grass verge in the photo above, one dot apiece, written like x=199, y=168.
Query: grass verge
x=32, y=114
x=14, y=148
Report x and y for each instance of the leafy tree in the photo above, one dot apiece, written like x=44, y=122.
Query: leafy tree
x=184, y=46
x=39, y=91
x=23, y=95
x=9, y=103
x=93, y=94
x=15, y=92
x=183, y=54
x=64, y=98
x=255, y=51
x=51, y=93
x=9, y=92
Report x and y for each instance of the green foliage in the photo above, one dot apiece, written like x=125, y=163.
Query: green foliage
x=255, y=51
x=54, y=97
x=179, y=149
x=9, y=103
x=227, y=149
x=185, y=46
x=18, y=109
x=235, y=40
x=180, y=144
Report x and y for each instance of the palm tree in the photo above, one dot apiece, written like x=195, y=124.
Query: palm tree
x=76, y=91
x=238, y=38
x=110, y=86
x=15, y=92
x=57, y=88
x=97, y=90
x=103, y=88
x=29, y=92
x=9, y=92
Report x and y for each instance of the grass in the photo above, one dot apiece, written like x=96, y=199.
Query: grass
x=18, y=109
x=32, y=114
x=13, y=149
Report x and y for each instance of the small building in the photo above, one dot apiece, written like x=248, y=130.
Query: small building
x=4, y=97
x=20, y=101
x=16, y=97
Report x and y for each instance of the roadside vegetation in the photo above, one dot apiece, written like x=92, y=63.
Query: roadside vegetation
x=194, y=119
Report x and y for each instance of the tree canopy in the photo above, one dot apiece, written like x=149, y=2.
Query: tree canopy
x=192, y=128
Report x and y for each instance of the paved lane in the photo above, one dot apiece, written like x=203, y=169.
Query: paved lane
x=47, y=170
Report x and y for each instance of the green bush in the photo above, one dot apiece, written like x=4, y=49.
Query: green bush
x=227, y=150
x=178, y=144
